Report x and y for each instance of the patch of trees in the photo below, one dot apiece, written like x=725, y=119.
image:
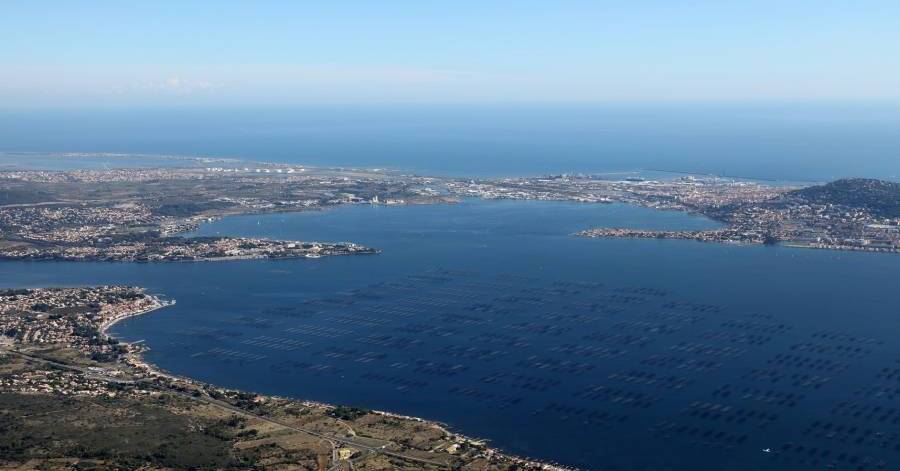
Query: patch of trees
x=40, y=307
x=189, y=208
x=879, y=197
x=347, y=412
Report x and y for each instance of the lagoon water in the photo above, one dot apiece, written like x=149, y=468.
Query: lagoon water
x=489, y=316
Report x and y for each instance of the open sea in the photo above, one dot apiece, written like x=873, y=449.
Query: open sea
x=607, y=354
x=782, y=142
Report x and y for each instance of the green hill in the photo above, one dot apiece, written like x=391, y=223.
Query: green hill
x=880, y=197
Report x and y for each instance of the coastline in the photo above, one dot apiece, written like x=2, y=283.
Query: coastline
x=271, y=249
x=839, y=248
x=160, y=304
x=230, y=258
x=721, y=237
x=136, y=360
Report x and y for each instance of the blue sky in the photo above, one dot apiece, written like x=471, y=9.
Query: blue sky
x=89, y=53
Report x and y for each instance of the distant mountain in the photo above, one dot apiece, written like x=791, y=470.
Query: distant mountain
x=879, y=197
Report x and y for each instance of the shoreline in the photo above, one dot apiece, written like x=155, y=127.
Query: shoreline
x=104, y=326
x=231, y=258
x=838, y=248
x=202, y=249
x=709, y=237
x=138, y=361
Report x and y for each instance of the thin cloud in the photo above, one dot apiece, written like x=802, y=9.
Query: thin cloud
x=186, y=86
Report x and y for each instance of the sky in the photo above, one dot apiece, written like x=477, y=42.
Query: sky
x=98, y=53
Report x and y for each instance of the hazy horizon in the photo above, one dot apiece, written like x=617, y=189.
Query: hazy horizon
x=811, y=142
x=106, y=54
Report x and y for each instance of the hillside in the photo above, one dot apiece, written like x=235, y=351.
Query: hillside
x=880, y=197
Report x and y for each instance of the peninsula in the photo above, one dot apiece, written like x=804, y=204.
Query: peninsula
x=138, y=214
x=186, y=249
x=849, y=214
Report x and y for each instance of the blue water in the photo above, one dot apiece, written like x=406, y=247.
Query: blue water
x=784, y=142
x=488, y=316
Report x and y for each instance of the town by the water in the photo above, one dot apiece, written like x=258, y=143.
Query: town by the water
x=138, y=214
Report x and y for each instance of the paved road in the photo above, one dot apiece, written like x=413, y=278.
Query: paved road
x=223, y=405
